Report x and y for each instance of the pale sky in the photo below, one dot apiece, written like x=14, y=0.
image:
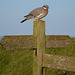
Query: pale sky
x=59, y=21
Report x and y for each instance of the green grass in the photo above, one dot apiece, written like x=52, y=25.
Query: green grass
x=16, y=62
x=20, y=62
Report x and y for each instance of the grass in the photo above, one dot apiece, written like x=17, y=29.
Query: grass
x=16, y=62
x=20, y=62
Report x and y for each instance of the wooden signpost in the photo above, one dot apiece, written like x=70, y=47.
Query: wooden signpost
x=39, y=42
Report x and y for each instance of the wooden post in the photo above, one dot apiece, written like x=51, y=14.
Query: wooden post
x=39, y=33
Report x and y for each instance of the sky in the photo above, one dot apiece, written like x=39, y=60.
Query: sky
x=59, y=21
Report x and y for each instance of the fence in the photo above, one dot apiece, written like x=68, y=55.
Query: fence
x=39, y=42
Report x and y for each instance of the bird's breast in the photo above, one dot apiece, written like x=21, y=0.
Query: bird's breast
x=45, y=12
x=42, y=14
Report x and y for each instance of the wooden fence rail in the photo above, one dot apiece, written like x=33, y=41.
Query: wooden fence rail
x=59, y=62
x=29, y=42
x=39, y=42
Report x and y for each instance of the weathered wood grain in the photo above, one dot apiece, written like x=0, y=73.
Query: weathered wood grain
x=29, y=42
x=18, y=42
x=39, y=33
x=57, y=41
x=59, y=62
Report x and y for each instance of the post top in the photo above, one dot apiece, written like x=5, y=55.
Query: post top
x=39, y=21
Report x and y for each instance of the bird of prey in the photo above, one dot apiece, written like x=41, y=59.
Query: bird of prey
x=37, y=13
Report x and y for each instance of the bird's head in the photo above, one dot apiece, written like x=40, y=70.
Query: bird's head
x=45, y=6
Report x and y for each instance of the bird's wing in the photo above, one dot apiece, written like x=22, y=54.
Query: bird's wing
x=36, y=12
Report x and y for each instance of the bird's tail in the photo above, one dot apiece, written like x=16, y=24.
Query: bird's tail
x=23, y=20
x=27, y=17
